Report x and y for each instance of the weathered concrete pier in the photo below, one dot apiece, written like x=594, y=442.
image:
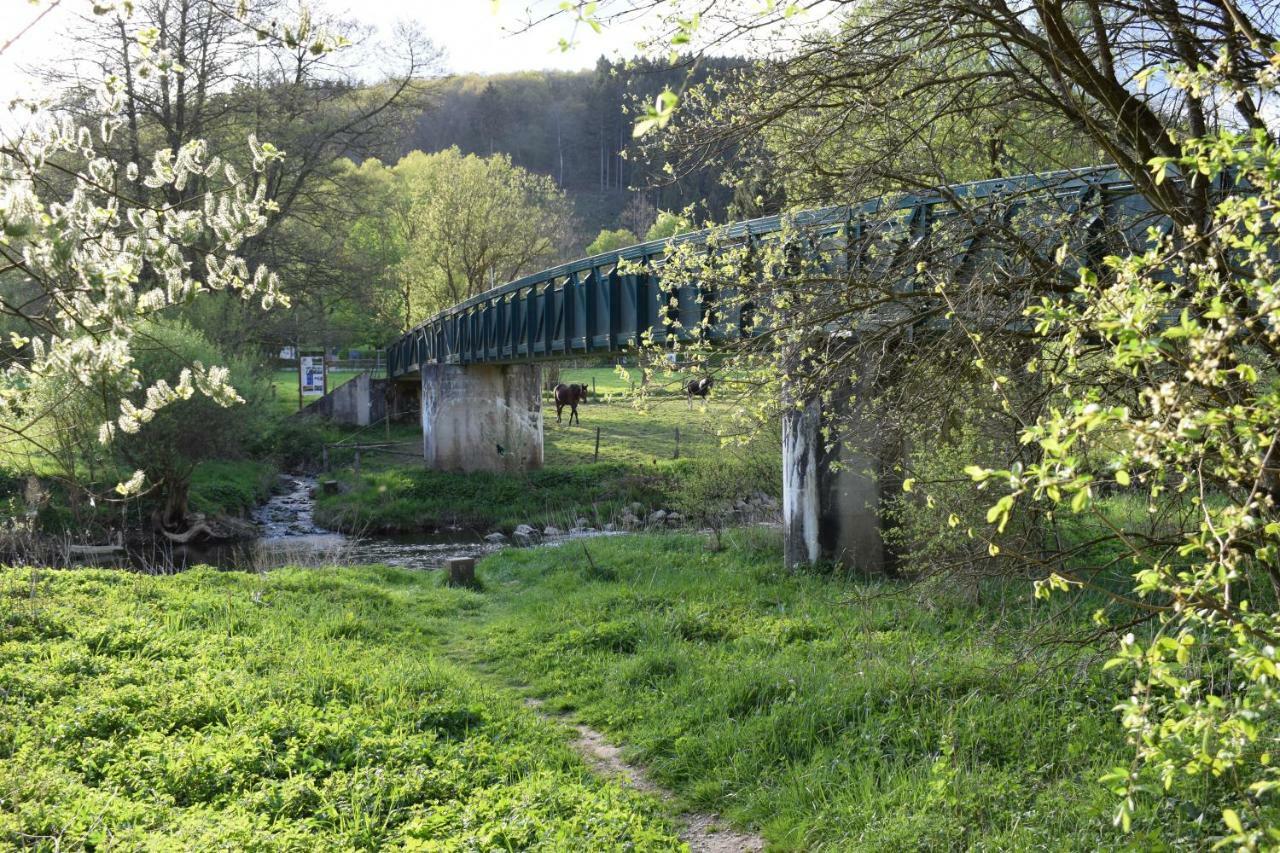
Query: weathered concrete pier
x=482, y=417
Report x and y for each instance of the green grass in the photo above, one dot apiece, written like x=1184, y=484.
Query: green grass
x=834, y=714
x=367, y=708
x=404, y=498
x=603, y=380
x=284, y=387
x=632, y=435
x=231, y=487
x=299, y=710
x=637, y=464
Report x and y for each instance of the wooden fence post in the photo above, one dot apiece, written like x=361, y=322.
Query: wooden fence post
x=677, y=442
x=357, y=465
x=324, y=457
x=597, y=459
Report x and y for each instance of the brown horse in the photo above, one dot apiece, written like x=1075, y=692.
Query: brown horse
x=700, y=387
x=571, y=396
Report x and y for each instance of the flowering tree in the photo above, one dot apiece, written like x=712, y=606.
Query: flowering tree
x=85, y=261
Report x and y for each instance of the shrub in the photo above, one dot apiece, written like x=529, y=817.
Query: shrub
x=708, y=490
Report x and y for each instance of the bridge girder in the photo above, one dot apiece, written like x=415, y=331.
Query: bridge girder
x=591, y=306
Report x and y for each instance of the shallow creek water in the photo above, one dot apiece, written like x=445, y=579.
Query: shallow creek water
x=291, y=537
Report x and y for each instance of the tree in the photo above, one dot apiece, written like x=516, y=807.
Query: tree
x=668, y=224
x=611, y=241
x=459, y=224
x=310, y=103
x=575, y=126
x=92, y=248
x=168, y=442
x=1152, y=373
x=1169, y=394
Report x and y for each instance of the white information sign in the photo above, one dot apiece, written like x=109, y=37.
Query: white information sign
x=312, y=368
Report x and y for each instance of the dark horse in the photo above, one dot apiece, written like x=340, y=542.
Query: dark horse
x=571, y=396
x=701, y=387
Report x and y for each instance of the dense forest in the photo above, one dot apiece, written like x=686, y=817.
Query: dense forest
x=577, y=128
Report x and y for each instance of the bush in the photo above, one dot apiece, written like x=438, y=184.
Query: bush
x=186, y=432
x=940, y=530
x=707, y=491
x=297, y=443
x=189, y=419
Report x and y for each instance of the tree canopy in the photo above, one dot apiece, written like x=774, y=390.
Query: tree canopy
x=448, y=226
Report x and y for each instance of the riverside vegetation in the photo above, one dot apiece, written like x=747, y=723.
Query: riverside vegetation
x=357, y=708
x=1028, y=383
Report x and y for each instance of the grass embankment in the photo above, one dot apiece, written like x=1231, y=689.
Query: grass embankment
x=218, y=487
x=231, y=486
x=637, y=464
x=296, y=710
x=395, y=499
x=340, y=707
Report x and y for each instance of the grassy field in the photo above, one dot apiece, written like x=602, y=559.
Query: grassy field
x=632, y=435
x=357, y=708
x=297, y=710
x=832, y=714
x=284, y=388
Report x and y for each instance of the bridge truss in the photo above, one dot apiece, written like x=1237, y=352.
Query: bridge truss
x=607, y=303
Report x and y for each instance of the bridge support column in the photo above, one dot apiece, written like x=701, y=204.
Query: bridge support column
x=482, y=417
x=832, y=488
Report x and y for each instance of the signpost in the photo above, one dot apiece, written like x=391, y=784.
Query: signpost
x=312, y=376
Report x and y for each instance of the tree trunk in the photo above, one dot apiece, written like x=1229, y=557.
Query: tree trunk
x=172, y=515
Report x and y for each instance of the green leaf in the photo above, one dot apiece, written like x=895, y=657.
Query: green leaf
x=1079, y=500
x=1232, y=820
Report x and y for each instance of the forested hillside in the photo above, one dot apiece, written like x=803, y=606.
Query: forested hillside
x=577, y=128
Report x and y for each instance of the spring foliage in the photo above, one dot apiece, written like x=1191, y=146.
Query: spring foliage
x=1189, y=328
x=84, y=260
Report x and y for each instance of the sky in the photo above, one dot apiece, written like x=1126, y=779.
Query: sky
x=478, y=40
x=475, y=38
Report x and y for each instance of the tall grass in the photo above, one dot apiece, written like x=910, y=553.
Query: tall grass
x=836, y=714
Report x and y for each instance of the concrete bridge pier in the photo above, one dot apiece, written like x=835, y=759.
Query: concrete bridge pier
x=482, y=417
x=832, y=487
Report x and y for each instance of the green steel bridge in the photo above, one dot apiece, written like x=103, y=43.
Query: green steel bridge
x=474, y=370
x=591, y=306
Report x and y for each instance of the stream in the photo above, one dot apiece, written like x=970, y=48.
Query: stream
x=291, y=537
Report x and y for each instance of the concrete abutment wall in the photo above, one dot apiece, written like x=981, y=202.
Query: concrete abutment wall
x=482, y=417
